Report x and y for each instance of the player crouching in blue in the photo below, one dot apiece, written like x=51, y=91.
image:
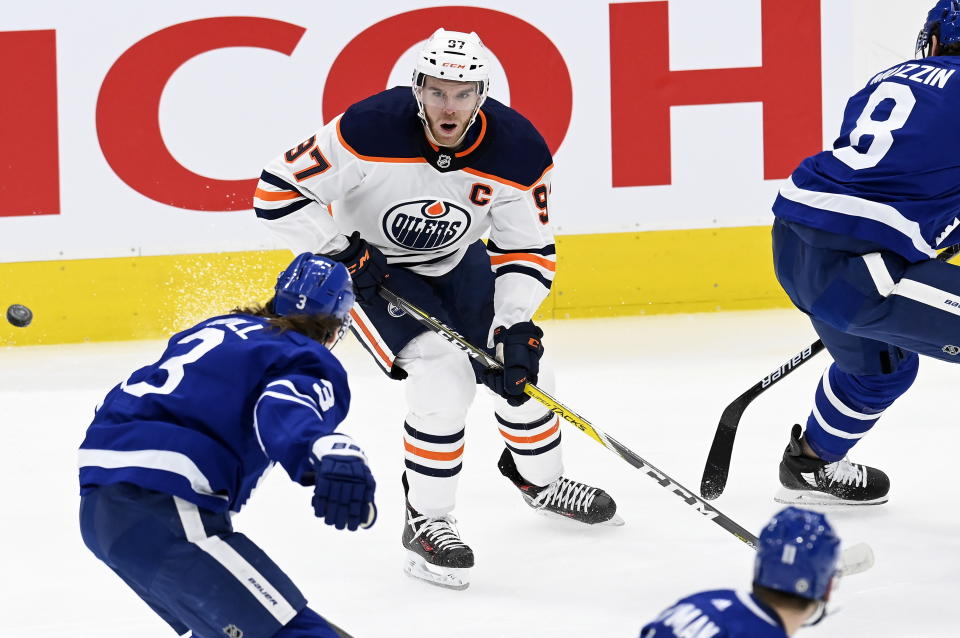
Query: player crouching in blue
x=178, y=447
x=856, y=232
x=793, y=574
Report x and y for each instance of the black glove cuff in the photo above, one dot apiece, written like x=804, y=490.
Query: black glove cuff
x=351, y=251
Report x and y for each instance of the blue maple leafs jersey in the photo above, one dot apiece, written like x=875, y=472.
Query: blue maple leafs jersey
x=721, y=613
x=227, y=399
x=893, y=175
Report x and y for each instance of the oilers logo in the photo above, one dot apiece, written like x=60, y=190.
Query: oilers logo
x=425, y=224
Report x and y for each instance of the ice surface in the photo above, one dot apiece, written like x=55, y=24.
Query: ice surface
x=657, y=384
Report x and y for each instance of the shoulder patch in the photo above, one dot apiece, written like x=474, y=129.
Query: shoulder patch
x=518, y=152
x=383, y=126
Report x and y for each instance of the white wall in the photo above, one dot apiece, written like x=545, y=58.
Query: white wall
x=225, y=112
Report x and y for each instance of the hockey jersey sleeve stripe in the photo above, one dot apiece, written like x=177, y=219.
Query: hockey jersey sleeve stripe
x=164, y=460
x=524, y=270
x=283, y=211
x=275, y=196
x=528, y=257
x=507, y=182
x=277, y=182
x=546, y=251
x=858, y=207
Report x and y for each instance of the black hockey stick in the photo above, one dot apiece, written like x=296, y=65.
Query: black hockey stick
x=717, y=468
x=854, y=559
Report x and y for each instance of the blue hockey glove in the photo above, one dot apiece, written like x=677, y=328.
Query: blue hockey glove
x=519, y=348
x=367, y=267
x=344, y=487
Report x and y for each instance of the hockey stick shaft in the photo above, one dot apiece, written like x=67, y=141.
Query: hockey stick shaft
x=717, y=467
x=854, y=560
x=489, y=362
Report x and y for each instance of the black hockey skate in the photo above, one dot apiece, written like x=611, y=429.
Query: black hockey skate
x=808, y=481
x=435, y=552
x=563, y=497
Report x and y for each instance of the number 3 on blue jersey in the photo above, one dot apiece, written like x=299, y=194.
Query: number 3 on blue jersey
x=209, y=339
x=881, y=130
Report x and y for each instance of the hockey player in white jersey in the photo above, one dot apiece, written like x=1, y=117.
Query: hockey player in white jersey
x=401, y=188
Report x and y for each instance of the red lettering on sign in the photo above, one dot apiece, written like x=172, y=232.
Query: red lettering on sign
x=128, y=123
x=541, y=91
x=30, y=169
x=788, y=84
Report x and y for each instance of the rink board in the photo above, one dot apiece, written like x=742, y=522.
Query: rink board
x=601, y=275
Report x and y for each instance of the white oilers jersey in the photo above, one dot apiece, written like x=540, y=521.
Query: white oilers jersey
x=372, y=170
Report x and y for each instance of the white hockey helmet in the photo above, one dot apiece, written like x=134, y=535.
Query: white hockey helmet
x=456, y=56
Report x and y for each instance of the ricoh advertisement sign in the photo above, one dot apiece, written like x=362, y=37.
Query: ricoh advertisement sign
x=129, y=129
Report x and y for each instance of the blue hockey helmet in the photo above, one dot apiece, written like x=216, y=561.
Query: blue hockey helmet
x=797, y=554
x=315, y=285
x=944, y=21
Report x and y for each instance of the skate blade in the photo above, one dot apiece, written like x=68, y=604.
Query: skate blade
x=820, y=499
x=447, y=577
x=616, y=521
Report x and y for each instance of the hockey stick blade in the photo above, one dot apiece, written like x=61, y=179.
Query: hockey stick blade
x=855, y=559
x=718, y=459
x=717, y=468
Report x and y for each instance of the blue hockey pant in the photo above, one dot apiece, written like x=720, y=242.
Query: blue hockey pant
x=192, y=569
x=875, y=312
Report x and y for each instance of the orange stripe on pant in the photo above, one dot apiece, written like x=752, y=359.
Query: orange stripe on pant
x=435, y=456
x=532, y=439
x=373, y=342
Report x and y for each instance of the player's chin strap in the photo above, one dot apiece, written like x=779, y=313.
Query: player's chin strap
x=853, y=560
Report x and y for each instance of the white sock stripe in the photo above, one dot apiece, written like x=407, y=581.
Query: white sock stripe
x=840, y=406
x=879, y=273
x=433, y=463
x=245, y=573
x=832, y=430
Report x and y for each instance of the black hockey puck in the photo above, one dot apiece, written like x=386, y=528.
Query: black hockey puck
x=19, y=315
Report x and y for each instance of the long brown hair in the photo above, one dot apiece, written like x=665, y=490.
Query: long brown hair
x=320, y=328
